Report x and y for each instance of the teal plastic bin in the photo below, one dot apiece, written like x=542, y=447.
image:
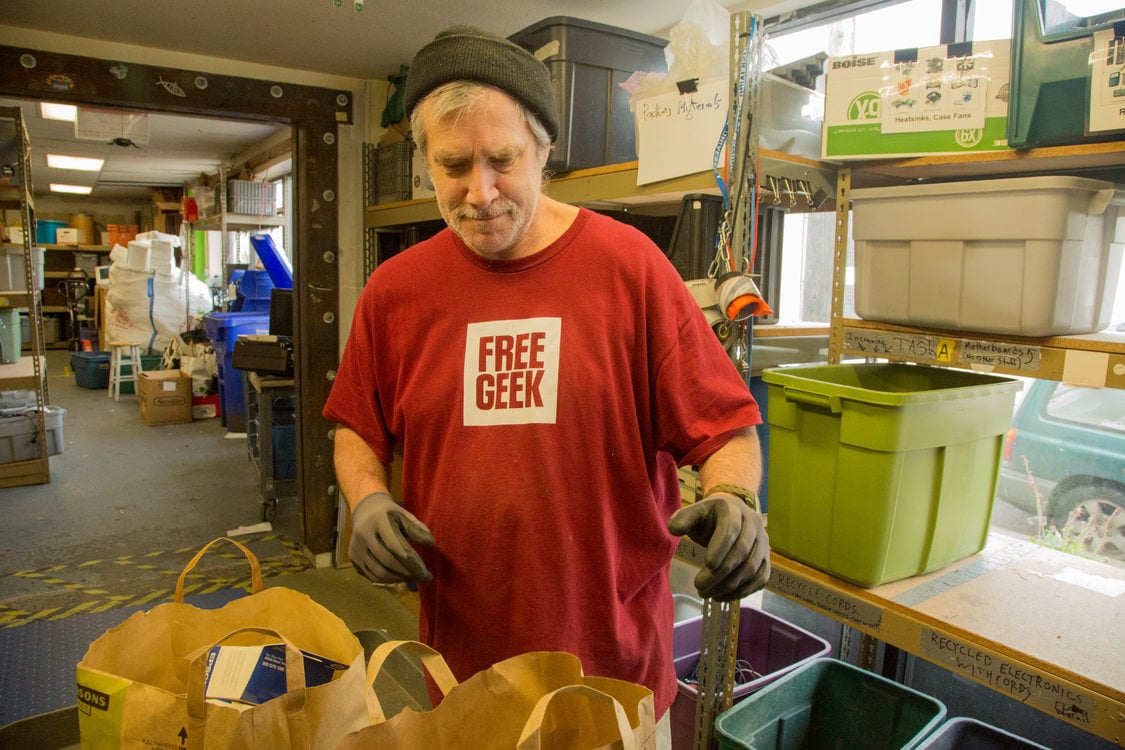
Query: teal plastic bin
x=148, y=362
x=879, y=472
x=768, y=647
x=11, y=336
x=91, y=369
x=827, y=704
x=962, y=733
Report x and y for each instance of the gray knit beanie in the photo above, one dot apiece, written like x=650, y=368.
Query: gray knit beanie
x=465, y=53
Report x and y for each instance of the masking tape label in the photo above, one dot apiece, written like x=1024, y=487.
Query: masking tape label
x=838, y=605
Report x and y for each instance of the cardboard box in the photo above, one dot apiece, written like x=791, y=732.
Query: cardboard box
x=66, y=236
x=165, y=397
x=15, y=235
x=946, y=99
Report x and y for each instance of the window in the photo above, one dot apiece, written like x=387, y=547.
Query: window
x=1101, y=409
x=916, y=23
x=1062, y=481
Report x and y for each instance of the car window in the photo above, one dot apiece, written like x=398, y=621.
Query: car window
x=1102, y=408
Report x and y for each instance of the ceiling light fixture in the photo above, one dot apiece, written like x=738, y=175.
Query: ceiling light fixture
x=72, y=189
x=81, y=163
x=63, y=112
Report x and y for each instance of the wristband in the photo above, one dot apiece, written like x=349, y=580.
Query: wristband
x=748, y=496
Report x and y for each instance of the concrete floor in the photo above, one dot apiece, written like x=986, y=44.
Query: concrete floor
x=128, y=505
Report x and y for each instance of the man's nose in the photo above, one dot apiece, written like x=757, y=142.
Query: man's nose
x=481, y=186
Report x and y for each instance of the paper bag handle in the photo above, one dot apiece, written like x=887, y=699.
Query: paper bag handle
x=431, y=660
x=255, y=567
x=531, y=739
x=294, y=686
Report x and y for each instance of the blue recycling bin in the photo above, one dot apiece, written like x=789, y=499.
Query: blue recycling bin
x=223, y=329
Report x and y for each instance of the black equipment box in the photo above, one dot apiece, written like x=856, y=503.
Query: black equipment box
x=270, y=355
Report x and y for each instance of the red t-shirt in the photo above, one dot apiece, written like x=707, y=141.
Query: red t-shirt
x=541, y=406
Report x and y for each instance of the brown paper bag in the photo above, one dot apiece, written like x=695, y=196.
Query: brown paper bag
x=535, y=700
x=140, y=684
x=581, y=716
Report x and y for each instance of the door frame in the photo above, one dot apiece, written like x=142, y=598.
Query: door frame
x=314, y=114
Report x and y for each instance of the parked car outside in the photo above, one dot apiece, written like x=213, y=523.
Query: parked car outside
x=1068, y=444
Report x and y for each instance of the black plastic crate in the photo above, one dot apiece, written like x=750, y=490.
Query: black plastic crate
x=588, y=61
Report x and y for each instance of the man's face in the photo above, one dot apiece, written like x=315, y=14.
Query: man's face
x=487, y=172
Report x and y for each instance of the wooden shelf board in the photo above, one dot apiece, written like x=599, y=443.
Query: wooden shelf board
x=610, y=185
x=235, y=222
x=782, y=330
x=999, y=163
x=1025, y=644
x=23, y=473
x=1045, y=358
x=20, y=375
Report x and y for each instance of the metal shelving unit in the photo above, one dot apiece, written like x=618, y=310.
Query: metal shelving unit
x=1015, y=644
x=29, y=372
x=920, y=615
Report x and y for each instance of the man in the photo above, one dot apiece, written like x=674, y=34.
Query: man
x=541, y=370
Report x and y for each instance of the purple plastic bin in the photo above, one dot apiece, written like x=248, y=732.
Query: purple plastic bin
x=962, y=733
x=771, y=645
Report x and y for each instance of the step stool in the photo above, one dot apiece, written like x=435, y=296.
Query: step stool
x=123, y=355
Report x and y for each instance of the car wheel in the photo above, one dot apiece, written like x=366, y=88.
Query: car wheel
x=1097, y=512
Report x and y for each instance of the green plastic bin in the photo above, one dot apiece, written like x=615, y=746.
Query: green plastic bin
x=148, y=362
x=827, y=704
x=882, y=471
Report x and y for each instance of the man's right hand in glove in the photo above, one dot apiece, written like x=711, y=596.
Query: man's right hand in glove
x=380, y=547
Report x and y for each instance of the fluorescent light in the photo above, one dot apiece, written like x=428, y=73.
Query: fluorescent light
x=75, y=189
x=85, y=164
x=64, y=112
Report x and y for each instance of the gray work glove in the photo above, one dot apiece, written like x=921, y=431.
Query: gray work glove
x=380, y=548
x=737, y=561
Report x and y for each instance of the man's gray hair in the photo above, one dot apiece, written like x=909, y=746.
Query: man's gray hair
x=454, y=99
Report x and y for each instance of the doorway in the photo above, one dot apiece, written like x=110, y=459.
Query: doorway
x=314, y=115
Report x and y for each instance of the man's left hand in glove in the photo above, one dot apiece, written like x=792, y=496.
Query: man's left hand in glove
x=737, y=560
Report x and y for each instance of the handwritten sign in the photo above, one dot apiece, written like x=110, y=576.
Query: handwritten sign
x=1000, y=354
x=892, y=344
x=942, y=350
x=677, y=133
x=1027, y=686
x=840, y=606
